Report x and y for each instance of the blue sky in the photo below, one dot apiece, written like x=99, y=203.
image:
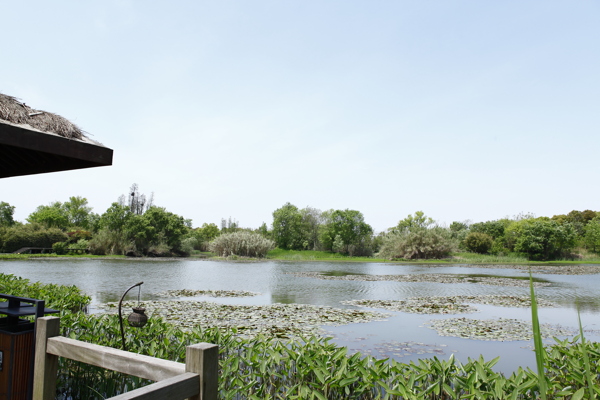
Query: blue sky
x=462, y=109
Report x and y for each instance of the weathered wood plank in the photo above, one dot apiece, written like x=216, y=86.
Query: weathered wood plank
x=117, y=360
x=176, y=388
x=45, y=366
x=203, y=359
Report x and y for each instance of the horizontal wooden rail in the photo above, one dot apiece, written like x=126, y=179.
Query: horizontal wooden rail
x=197, y=379
x=179, y=387
x=117, y=360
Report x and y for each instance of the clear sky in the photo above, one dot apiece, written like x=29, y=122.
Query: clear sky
x=474, y=109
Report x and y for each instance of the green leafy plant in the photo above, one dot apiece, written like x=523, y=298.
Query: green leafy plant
x=478, y=242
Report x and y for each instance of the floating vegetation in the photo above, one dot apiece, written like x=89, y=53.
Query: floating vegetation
x=447, y=305
x=501, y=329
x=211, y=293
x=584, y=269
x=436, y=278
x=421, y=305
x=274, y=320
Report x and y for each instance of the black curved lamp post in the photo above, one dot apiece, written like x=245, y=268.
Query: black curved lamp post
x=136, y=319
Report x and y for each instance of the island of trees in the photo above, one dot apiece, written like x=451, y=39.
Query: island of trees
x=134, y=226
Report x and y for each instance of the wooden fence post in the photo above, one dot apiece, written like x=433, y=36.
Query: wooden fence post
x=45, y=365
x=203, y=359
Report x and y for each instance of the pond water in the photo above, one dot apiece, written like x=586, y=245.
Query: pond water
x=403, y=336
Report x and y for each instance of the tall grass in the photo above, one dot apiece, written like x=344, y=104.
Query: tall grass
x=540, y=352
x=241, y=243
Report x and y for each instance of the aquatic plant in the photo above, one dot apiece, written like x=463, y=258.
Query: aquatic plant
x=241, y=243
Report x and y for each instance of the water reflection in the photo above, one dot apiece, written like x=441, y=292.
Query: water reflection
x=105, y=280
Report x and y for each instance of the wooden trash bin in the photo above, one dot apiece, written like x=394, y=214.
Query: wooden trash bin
x=17, y=345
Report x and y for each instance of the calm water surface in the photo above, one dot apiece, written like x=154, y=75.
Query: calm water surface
x=106, y=280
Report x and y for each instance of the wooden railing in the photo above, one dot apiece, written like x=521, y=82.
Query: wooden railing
x=197, y=379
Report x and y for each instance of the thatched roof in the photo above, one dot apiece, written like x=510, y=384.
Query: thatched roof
x=12, y=110
x=34, y=142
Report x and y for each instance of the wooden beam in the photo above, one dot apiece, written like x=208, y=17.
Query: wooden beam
x=45, y=367
x=25, y=151
x=203, y=359
x=117, y=360
x=176, y=388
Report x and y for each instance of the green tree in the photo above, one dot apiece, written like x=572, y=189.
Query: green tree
x=478, y=242
x=51, y=216
x=592, y=235
x=355, y=234
x=288, y=228
x=79, y=213
x=115, y=218
x=156, y=227
x=417, y=221
x=312, y=219
x=6, y=214
x=541, y=238
x=495, y=228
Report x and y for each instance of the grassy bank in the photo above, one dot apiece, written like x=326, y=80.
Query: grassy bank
x=457, y=258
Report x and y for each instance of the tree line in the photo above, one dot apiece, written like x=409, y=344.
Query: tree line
x=134, y=226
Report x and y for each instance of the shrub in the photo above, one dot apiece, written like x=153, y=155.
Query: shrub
x=478, y=242
x=188, y=245
x=541, y=238
x=31, y=235
x=242, y=243
x=107, y=242
x=423, y=243
x=60, y=248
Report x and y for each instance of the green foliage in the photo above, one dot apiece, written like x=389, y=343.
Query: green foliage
x=355, y=234
x=60, y=248
x=495, y=229
x=478, y=242
x=540, y=352
x=189, y=244
x=158, y=225
x=204, y=236
x=414, y=222
x=31, y=235
x=304, y=368
x=288, y=228
x=115, y=218
x=59, y=297
x=592, y=235
x=418, y=243
x=73, y=213
x=241, y=243
x=108, y=242
x=312, y=368
x=52, y=216
x=6, y=214
x=541, y=238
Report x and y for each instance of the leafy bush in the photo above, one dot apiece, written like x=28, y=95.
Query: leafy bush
x=436, y=242
x=242, y=243
x=60, y=248
x=541, y=238
x=107, y=242
x=493, y=228
x=59, y=297
x=188, y=245
x=592, y=235
x=31, y=235
x=477, y=242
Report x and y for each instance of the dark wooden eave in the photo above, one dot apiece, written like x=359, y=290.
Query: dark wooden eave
x=26, y=151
